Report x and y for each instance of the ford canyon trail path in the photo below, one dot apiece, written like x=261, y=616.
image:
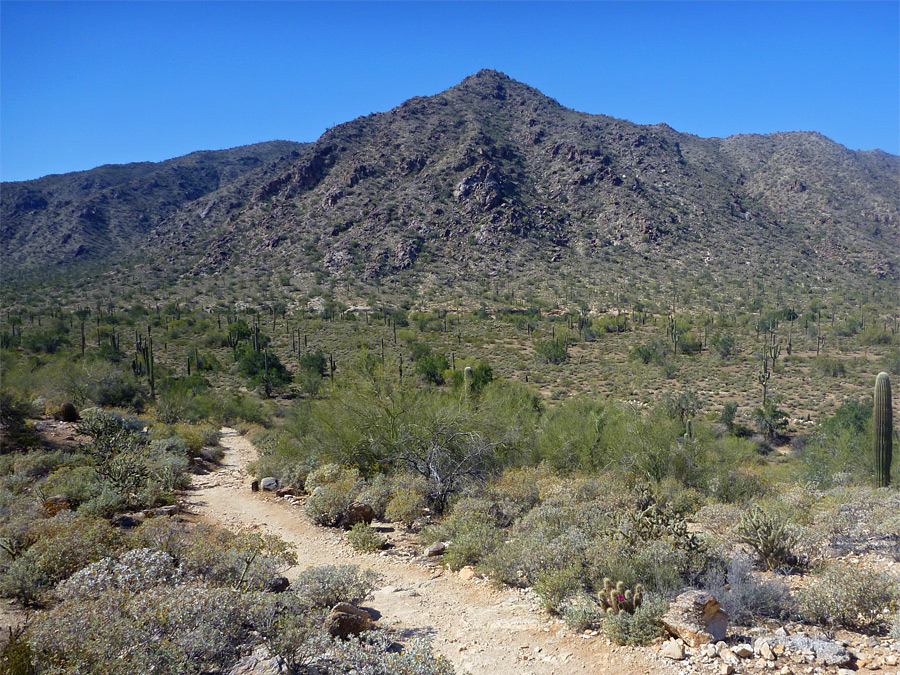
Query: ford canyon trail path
x=480, y=628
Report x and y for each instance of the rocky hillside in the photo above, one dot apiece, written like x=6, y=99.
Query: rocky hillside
x=492, y=176
x=105, y=214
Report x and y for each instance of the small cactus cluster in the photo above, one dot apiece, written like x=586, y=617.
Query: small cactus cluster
x=652, y=523
x=618, y=599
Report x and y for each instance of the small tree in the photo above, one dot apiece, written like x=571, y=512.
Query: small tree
x=263, y=369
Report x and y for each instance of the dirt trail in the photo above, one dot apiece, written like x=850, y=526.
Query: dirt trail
x=479, y=628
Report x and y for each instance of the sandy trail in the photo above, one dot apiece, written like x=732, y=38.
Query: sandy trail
x=479, y=628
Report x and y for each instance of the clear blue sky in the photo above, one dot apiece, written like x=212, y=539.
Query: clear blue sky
x=85, y=84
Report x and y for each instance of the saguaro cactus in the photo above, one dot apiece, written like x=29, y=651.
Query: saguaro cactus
x=882, y=430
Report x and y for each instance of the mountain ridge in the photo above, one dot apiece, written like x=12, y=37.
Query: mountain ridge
x=492, y=175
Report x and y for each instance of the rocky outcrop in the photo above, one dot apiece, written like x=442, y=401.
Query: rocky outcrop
x=260, y=663
x=358, y=513
x=697, y=618
x=346, y=621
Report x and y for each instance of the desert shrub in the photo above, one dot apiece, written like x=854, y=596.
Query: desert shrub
x=378, y=654
x=190, y=628
x=555, y=586
x=471, y=530
x=840, y=450
x=245, y=560
x=724, y=345
x=377, y=493
x=63, y=545
x=283, y=456
x=719, y=518
x=830, y=366
x=363, y=537
x=325, y=586
x=655, y=351
x=559, y=533
x=14, y=413
x=108, y=386
x=518, y=491
x=848, y=596
x=136, y=570
x=659, y=564
x=640, y=628
x=581, y=612
x=552, y=351
x=330, y=474
x=890, y=362
x=197, y=436
x=328, y=503
x=569, y=436
x=407, y=504
x=744, y=597
x=771, y=537
x=78, y=483
x=237, y=407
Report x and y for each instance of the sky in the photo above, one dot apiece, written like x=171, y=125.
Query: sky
x=85, y=84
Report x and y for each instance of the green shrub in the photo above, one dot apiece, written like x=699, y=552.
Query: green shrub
x=581, y=612
x=551, y=351
x=376, y=653
x=848, y=596
x=64, y=544
x=363, y=537
x=329, y=474
x=471, y=532
x=328, y=503
x=190, y=628
x=554, y=586
x=325, y=586
x=640, y=628
x=406, y=505
x=377, y=493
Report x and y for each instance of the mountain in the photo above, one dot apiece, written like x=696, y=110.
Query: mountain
x=105, y=214
x=493, y=177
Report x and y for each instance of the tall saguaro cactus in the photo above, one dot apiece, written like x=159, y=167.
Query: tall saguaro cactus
x=882, y=430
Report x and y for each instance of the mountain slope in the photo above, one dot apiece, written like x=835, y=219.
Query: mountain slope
x=492, y=177
x=104, y=213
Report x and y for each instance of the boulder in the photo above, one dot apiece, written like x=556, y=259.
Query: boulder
x=827, y=652
x=358, y=512
x=345, y=621
x=269, y=484
x=260, y=663
x=672, y=650
x=437, y=548
x=126, y=521
x=467, y=573
x=278, y=585
x=66, y=412
x=697, y=618
x=254, y=486
x=170, y=510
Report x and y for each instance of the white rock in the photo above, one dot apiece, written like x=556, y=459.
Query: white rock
x=672, y=650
